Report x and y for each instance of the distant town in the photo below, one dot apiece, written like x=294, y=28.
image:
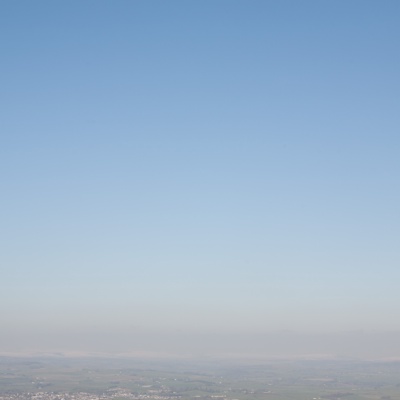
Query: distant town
x=106, y=379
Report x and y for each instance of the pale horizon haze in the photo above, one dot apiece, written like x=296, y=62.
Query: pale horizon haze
x=200, y=178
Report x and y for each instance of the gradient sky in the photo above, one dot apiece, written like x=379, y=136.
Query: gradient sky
x=197, y=168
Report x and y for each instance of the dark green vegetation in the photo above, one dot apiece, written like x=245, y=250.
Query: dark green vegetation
x=80, y=379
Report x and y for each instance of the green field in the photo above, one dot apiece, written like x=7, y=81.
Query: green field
x=53, y=378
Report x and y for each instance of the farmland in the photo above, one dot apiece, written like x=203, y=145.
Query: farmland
x=129, y=379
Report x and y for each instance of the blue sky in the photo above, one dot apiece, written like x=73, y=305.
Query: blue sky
x=213, y=166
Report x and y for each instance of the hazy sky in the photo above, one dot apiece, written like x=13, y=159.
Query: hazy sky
x=198, y=169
